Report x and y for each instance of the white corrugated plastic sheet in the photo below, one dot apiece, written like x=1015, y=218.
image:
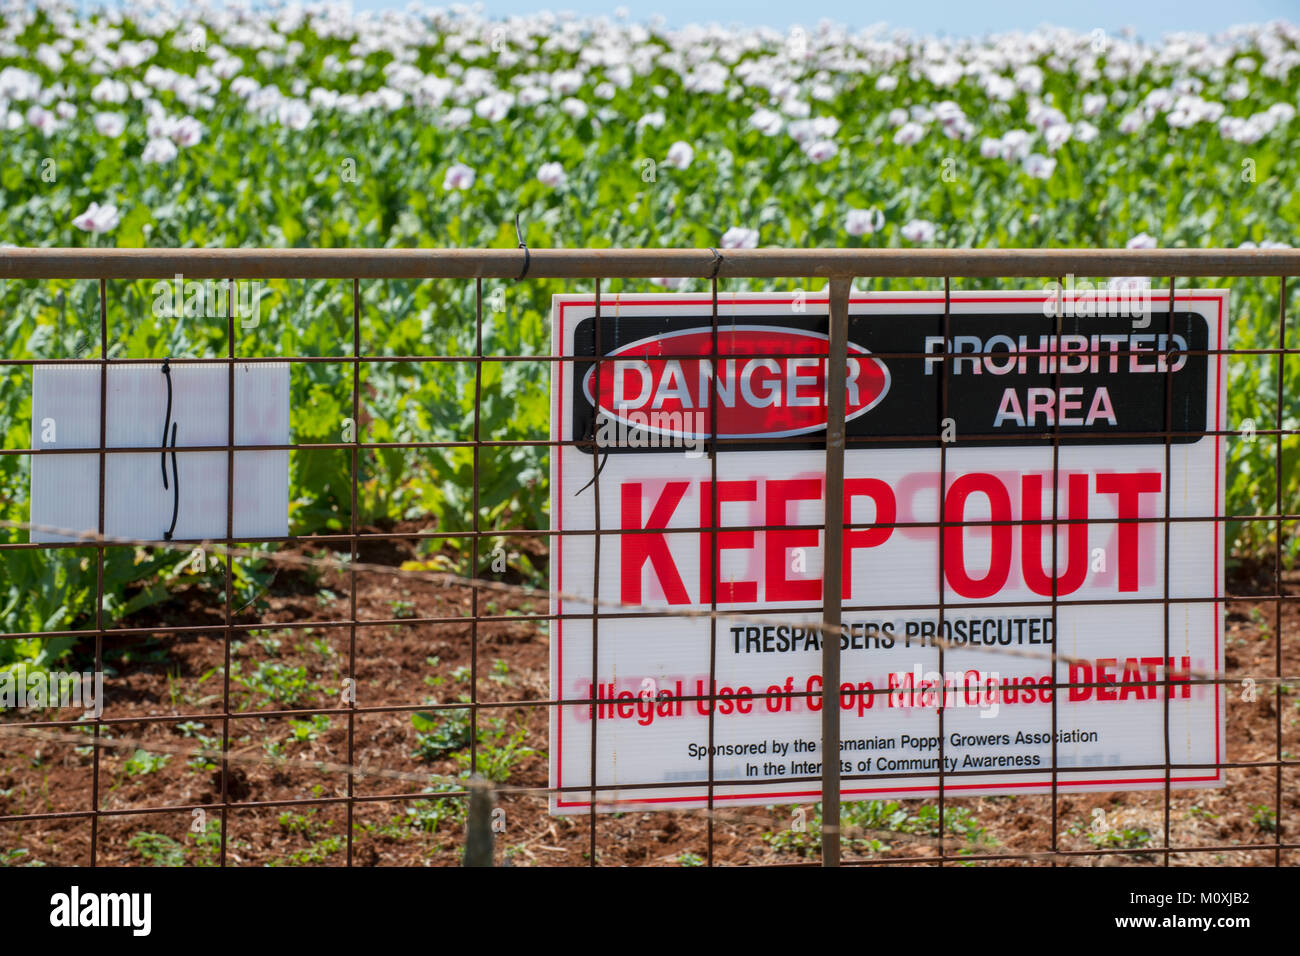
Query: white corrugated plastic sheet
x=65, y=414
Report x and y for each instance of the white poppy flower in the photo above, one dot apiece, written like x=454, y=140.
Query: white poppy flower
x=97, y=218
x=680, y=155
x=552, y=174
x=863, y=222
x=919, y=230
x=738, y=237
x=459, y=176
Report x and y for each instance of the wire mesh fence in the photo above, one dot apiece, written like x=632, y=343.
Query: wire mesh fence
x=347, y=553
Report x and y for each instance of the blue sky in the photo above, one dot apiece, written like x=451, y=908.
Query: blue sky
x=1150, y=18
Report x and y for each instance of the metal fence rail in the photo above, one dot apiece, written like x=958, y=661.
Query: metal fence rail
x=637, y=263
x=838, y=266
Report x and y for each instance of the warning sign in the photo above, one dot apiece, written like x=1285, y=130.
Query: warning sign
x=1103, y=380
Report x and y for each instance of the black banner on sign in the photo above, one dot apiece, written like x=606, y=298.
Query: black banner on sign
x=1011, y=380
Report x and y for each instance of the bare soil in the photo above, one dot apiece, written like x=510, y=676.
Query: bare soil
x=281, y=667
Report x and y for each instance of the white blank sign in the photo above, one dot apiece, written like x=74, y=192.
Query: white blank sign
x=65, y=414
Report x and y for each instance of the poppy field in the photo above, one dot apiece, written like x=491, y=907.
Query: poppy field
x=315, y=127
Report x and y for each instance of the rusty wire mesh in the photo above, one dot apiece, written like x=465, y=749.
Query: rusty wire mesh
x=837, y=266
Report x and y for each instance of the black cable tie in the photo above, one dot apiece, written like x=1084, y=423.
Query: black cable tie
x=175, y=486
x=599, y=468
x=717, y=263
x=167, y=373
x=519, y=234
x=591, y=430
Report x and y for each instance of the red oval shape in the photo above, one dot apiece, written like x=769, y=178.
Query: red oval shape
x=757, y=396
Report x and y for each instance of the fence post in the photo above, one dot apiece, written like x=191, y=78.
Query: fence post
x=832, y=601
x=478, y=827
